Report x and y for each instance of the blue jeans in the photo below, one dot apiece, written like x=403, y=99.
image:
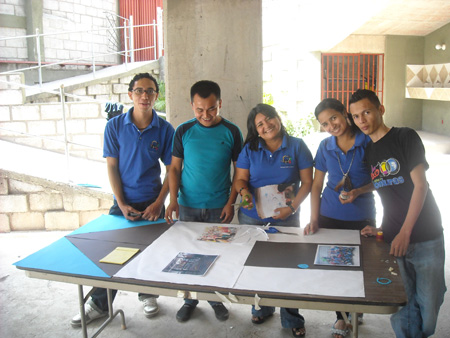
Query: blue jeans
x=422, y=271
x=99, y=296
x=290, y=318
x=291, y=221
x=200, y=215
x=204, y=216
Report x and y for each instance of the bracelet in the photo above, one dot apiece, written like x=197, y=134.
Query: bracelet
x=292, y=208
x=240, y=190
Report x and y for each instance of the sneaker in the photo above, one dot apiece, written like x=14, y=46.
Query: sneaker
x=185, y=312
x=90, y=315
x=150, y=307
x=221, y=311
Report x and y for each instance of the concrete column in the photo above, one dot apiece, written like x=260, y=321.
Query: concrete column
x=34, y=13
x=213, y=40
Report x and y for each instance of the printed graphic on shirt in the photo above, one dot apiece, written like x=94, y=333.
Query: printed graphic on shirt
x=155, y=145
x=286, y=161
x=383, y=170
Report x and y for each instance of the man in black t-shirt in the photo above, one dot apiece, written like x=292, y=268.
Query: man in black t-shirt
x=411, y=220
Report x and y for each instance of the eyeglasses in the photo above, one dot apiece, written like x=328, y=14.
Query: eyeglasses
x=140, y=91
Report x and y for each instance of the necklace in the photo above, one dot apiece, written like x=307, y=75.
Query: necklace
x=345, y=182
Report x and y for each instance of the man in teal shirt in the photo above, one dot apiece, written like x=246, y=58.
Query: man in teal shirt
x=203, y=150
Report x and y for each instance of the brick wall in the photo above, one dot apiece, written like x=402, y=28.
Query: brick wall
x=71, y=15
x=58, y=16
x=85, y=124
x=85, y=121
x=13, y=49
x=31, y=203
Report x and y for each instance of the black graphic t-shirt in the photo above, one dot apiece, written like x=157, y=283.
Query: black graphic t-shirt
x=391, y=160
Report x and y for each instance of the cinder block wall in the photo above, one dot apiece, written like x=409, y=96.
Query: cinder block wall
x=85, y=124
x=70, y=16
x=31, y=203
x=85, y=121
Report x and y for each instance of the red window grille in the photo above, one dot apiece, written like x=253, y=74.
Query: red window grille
x=342, y=74
x=143, y=12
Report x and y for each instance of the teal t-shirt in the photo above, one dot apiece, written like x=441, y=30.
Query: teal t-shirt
x=207, y=155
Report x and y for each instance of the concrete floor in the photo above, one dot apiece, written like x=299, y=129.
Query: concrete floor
x=36, y=308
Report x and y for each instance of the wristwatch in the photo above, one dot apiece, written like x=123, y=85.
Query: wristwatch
x=292, y=208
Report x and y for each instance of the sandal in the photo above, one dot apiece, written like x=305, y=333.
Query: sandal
x=298, y=331
x=338, y=333
x=260, y=320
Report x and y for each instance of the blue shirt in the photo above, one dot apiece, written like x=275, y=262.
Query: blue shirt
x=283, y=166
x=326, y=160
x=207, y=154
x=138, y=154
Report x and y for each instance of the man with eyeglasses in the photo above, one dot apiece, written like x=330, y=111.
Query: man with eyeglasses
x=204, y=148
x=134, y=143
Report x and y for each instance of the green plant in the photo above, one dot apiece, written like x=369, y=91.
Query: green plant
x=160, y=104
x=305, y=125
x=301, y=127
x=268, y=99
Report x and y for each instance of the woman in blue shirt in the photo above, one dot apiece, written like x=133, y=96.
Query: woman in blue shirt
x=347, y=201
x=271, y=157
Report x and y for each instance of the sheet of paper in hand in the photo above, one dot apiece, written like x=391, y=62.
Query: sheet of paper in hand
x=271, y=197
x=337, y=255
x=190, y=264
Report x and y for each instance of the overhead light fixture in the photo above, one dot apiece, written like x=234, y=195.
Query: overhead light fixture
x=440, y=46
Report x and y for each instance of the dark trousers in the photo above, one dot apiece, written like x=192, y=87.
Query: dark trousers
x=99, y=296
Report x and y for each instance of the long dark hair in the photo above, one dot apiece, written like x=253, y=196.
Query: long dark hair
x=252, y=133
x=336, y=105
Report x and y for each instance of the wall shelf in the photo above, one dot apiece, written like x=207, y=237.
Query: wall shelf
x=428, y=82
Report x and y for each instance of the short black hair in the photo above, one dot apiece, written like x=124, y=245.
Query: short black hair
x=361, y=94
x=140, y=76
x=205, y=88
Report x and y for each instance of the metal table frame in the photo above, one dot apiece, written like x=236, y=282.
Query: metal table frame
x=379, y=299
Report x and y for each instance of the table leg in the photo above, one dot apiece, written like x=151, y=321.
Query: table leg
x=354, y=324
x=353, y=328
x=82, y=314
x=111, y=315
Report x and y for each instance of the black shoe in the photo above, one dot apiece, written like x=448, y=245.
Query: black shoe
x=221, y=311
x=184, y=314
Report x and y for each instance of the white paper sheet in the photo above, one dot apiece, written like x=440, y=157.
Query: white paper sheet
x=229, y=271
x=323, y=236
x=337, y=283
x=183, y=237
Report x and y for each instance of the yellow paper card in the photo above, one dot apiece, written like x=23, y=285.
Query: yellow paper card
x=119, y=255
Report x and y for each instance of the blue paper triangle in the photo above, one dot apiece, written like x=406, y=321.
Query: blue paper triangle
x=62, y=256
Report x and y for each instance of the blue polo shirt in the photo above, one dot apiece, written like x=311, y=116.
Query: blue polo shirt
x=138, y=154
x=207, y=154
x=283, y=166
x=326, y=160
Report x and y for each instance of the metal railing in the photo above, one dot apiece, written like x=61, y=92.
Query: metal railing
x=127, y=53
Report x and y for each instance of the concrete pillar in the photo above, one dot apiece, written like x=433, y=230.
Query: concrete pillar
x=218, y=40
x=34, y=13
